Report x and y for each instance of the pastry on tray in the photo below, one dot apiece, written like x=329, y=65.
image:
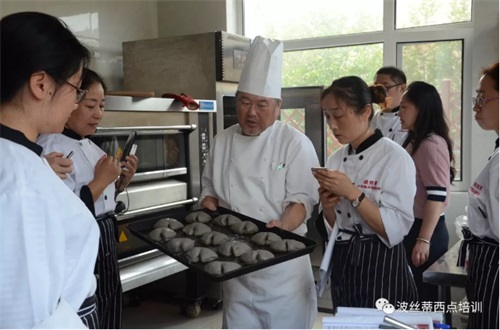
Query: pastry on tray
x=287, y=245
x=255, y=256
x=226, y=220
x=201, y=254
x=180, y=244
x=161, y=235
x=265, y=238
x=196, y=229
x=214, y=238
x=198, y=216
x=245, y=228
x=221, y=267
x=234, y=248
x=170, y=223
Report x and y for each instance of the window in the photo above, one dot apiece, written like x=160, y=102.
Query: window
x=415, y=13
x=326, y=39
x=440, y=64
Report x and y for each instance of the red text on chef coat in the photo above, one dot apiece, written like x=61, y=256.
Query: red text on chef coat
x=476, y=188
x=369, y=184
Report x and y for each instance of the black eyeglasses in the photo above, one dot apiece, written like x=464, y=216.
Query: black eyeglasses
x=80, y=93
x=389, y=87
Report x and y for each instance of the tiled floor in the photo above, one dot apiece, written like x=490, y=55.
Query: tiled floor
x=159, y=315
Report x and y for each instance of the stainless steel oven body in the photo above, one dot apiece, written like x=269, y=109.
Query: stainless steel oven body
x=172, y=147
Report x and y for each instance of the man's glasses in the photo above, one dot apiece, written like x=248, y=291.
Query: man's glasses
x=80, y=93
x=389, y=87
x=480, y=100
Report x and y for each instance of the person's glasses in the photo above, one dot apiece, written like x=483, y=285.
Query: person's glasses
x=389, y=87
x=480, y=100
x=80, y=93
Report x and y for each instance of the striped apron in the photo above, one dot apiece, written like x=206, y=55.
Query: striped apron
x=482, y=279
x=365, y=269
x=109, y=287
x=88, y=313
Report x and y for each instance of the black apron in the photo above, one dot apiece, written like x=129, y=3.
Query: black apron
x=88, y=313
x=482, y=279
x=439, y=245
x=109, y=287
x=365, y=269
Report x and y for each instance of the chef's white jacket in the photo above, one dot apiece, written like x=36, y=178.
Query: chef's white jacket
x=86, y=154
x=482, y=212
x=389, y=124
x=48, y=244
x=259, y=176
x=386, y=173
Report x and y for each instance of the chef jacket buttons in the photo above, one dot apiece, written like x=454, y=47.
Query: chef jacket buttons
x=345, y=159
x=348, y=214
x=361, y=157
x=339, y=212
x=105, y=197
x=390, y=129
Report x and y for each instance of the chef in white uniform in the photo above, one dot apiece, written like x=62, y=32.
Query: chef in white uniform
x=93, y=180
x=49, y=239
x=481, y=236
x=387, y=120
x=261, y=167
x=367, y=194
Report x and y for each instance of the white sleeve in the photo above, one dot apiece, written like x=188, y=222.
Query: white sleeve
x=301, y=186
x=63, y=317
x=207, y=187
x=396, y=200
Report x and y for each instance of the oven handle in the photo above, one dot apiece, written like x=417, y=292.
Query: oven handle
x=153, y=209
x=139, y=129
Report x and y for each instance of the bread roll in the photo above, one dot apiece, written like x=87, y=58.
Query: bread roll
x=214, y=238
x=198, y=216
x=244, y=228
x=265, y=238
x=234, y=248
x=253, y=257
x=200, y=254
x=161, y=235
x=196, y=229
x=287, y=245
x=221, y=267
x=169, y=223
x=226, y=220
x=180, y=244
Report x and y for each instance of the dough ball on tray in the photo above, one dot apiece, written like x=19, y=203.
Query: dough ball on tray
x=265, y=238
x=226, y=220
x=234, y=248
x=161, y=235
x=201, y=254
x=221, y=267
x=196, y=229
x=170, y=223
x=214, y=238
x=253, y=257
x=180, y=244
x=198, y=216
x=245, y=228
x=287, y=245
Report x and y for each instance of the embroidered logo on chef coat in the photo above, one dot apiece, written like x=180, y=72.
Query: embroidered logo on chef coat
x=281, y=166
x=369, y=184
x=476, y=189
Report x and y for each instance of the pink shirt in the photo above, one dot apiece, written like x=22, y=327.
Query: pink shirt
x=432, y=161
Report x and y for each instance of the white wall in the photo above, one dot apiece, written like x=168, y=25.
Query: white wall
x=101, y=24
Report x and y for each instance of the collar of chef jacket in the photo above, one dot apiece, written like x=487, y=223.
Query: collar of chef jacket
x=367, y=143
x=19, y=138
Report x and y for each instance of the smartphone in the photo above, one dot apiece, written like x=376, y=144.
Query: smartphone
x=133, y=150
x=319, y=169
x=128, y=146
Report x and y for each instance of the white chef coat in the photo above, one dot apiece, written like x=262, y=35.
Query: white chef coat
x=259, y=176
x=482, y=212
x=386, y=173
x=85, y=157
x=389, y=124
x=48, y=244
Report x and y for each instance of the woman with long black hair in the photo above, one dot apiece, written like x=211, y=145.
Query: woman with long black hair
x=430, y=146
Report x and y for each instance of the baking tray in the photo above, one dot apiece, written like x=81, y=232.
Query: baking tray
x=142, y=228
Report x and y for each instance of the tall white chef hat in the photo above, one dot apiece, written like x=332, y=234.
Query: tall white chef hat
x=263, y=68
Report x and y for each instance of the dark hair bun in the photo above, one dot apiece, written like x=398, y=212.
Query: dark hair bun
x=378, y=93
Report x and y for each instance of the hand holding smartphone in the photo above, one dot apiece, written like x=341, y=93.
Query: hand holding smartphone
x=128, y=146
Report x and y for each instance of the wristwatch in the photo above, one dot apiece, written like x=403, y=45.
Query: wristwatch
x=355, y=203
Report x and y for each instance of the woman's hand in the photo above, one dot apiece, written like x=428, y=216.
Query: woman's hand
x=210, y=203
x=328, y=199
x=337, y=183
x=59, y=164
x=107, y=170
x=128, y=169
x=420, y=253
